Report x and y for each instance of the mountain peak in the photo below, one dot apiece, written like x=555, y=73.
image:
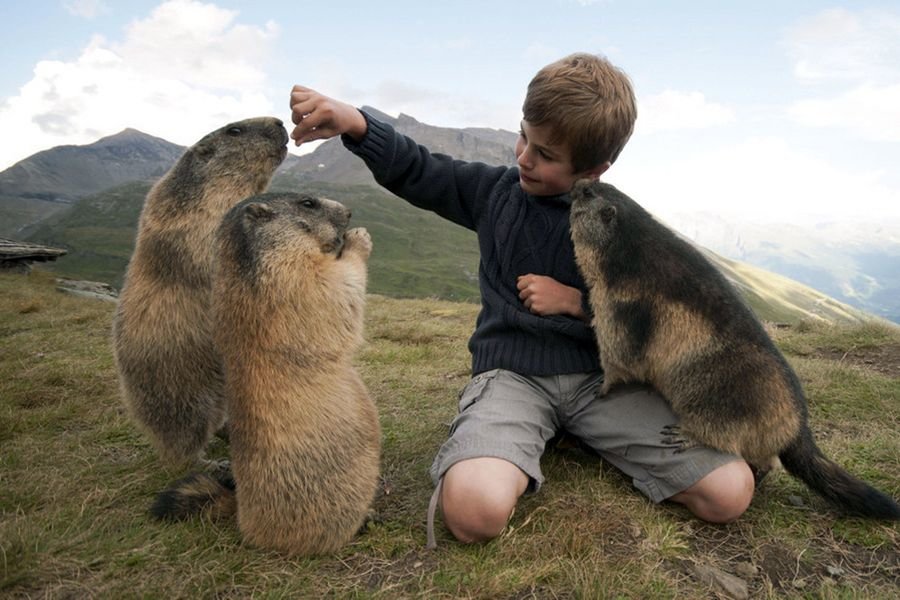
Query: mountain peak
x=129, y=135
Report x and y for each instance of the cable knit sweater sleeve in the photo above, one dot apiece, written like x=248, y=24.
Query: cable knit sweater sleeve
x=517, y=234
x=453, y=189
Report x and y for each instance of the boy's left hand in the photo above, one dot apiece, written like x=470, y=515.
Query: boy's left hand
x=544, y=296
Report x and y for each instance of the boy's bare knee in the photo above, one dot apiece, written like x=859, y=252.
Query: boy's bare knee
x=477, y=499
x=722, y=496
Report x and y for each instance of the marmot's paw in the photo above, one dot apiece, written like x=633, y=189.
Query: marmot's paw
x=759, y=474
x=602, y=390
x=358, y=240
x=673, y=437
x=220, y=469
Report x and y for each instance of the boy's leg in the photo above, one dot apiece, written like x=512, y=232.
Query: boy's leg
x=479, y=495
x=624, y=427
x=721, y=496
x=493, y=453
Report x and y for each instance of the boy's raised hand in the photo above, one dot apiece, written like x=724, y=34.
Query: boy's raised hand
x=318, y=117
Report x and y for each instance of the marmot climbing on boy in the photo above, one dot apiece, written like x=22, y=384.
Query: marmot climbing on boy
x=288, y=299
x=665, y=316
x=170, y=373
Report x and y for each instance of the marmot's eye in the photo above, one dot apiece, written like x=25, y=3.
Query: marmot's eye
x=235, y=130
x=309, y=203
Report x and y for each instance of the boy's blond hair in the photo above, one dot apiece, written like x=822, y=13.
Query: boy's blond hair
x=589, y=104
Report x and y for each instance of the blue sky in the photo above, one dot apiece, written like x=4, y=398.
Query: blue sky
x=779, y=111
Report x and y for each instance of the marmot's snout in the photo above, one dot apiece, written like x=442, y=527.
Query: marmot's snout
x=583, y=189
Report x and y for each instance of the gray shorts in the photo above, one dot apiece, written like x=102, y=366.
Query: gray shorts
x=506, y=415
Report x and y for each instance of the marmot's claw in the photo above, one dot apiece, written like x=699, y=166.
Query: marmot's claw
x=674, y=438
x=601, y=392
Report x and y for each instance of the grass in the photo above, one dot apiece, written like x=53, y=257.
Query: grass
x=76, y=479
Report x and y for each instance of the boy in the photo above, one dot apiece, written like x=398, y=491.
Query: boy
x=534, y=357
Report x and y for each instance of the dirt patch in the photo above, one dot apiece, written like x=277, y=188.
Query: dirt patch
x=883, y=359
x=775, y=565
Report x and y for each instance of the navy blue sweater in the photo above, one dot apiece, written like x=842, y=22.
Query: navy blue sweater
x=517, y=234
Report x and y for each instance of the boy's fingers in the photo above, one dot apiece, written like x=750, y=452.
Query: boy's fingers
x=301, y=109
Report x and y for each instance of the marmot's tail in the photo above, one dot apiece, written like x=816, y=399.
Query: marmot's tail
x=198, y=493
x=804, y=460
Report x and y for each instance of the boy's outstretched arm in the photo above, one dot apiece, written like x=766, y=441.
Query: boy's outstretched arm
x=318, y=117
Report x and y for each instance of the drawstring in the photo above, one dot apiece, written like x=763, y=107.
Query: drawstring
x=432, y=508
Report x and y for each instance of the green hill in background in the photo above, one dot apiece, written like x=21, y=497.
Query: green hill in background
x=417, y=254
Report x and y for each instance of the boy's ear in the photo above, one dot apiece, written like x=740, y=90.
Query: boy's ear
x=599, y=169
x=596, y=172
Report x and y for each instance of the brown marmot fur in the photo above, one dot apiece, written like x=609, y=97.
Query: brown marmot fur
x=170, y=374
x=289, y=293
x=665, y=316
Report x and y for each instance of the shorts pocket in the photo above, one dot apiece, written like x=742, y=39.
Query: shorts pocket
x=475, y=389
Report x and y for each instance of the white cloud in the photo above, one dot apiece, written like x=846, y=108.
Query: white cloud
x=185, y=70
x=838, y=44
x=199, y=43
x=674, y=110
x=858, y=52
x=87, y=9
x=871, y=112
x=763, y=179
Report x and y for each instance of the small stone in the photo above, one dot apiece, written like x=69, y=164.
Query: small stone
x=834, y=571
x=746, y=569
x=733, y=587
x=796, y=501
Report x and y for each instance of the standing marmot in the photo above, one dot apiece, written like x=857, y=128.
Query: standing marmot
x=170, y=374
x=289, y=293
x=665, y=316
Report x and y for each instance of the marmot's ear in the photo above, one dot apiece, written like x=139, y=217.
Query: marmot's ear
x=607, y=214
x=259, y=210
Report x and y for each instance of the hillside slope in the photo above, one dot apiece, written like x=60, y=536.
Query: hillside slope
x=46, y=182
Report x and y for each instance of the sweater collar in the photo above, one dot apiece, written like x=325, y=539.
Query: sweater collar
x=563, y=198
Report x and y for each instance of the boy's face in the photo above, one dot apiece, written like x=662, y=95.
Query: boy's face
x=545, y=169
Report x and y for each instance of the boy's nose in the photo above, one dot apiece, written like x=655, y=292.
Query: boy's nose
x=523, y=160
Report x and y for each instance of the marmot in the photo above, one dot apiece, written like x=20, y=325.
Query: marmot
x=170, y=374
x=665, y=316
x=288, y=298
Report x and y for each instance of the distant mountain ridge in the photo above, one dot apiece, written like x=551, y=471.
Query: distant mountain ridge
x=331, y=162
x=44, y=183
x=87, y=199
x=857, y=263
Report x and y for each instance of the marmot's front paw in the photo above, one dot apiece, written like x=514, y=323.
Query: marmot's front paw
x=675, y=438
x=358, y=240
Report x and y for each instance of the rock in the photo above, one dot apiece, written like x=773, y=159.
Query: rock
x=18, y=256
x=746, y=569
x=730, y=585
x=834, y=571
x=88, y=289
x=796, y=501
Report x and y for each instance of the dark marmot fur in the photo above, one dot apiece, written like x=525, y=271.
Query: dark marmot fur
x=289, y=294
x=170, y=374
x=665, y=316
